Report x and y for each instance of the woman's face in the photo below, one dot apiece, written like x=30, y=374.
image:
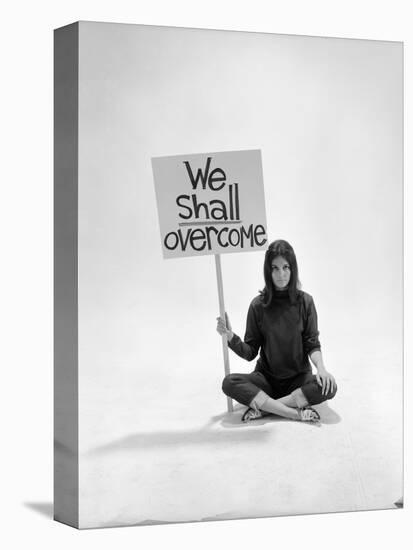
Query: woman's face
x=280, y=272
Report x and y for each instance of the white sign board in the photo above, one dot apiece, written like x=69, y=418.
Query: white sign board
x=210, y=203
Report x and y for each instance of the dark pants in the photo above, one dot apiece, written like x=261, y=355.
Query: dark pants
x=244, y=387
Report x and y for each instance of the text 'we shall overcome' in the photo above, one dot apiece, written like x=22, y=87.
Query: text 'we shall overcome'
x=204, y=224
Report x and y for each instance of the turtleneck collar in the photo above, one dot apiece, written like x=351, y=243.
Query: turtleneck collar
x=281, y=294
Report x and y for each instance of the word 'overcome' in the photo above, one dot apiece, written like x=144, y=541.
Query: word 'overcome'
x=215, y=212
x=199, y=239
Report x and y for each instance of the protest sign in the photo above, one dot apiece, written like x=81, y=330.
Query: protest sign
x=210, y=203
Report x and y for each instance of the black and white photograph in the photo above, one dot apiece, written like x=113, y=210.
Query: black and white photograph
x=299, y=199
x=210, y=275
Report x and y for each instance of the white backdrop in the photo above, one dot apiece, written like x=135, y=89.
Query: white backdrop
x=28, y=299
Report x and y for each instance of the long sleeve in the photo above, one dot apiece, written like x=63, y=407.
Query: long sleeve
x=311, y=333
x=249, y=348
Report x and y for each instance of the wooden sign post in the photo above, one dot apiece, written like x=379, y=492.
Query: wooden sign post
x=211, y=203
x=222, y=314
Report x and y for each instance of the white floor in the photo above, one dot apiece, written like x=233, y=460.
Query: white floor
x=196, y=462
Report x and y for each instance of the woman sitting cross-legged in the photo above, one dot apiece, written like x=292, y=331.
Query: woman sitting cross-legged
x=282, y=327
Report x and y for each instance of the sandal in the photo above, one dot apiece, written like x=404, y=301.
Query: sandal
x=251, y=414
x=308, y=414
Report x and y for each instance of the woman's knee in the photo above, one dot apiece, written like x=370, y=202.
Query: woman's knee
x=329, y=395
x=229, y=383
x=333, y=392
x=314, y=393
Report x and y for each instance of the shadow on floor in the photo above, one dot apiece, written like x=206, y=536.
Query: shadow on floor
x=238, y=432
x=180, y=438
x=42, y=508
x=328, y=416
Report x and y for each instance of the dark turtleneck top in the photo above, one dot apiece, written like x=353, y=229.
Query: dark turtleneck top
x=284, y=333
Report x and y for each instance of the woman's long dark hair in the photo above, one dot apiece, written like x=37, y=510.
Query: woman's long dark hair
x=284, y=249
